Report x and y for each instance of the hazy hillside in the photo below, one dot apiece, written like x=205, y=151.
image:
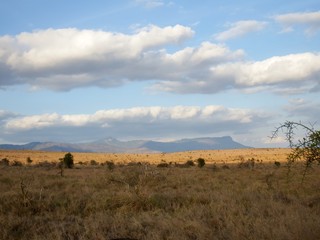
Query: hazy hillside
x=138, y=146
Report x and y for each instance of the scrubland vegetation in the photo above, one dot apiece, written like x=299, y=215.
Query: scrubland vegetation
x=244, y=198
x=210, y=156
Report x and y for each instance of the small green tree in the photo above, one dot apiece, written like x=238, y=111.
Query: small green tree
x=110, y=165
x=5, y=162
x=201, y=162
x=189, y=163
x=306, y=148
x=68, y=160
x=29, y=160
x=94, y=162
x=277, y=164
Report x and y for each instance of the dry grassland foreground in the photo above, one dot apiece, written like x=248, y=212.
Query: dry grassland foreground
x=240, y=195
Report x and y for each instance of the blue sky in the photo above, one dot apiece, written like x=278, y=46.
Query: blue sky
x=75, y=71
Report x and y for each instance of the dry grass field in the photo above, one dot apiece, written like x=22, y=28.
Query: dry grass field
x=211, y=156
x=238, y=194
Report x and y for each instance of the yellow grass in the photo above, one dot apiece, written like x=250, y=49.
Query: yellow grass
x=226, y=200
x=210, y=156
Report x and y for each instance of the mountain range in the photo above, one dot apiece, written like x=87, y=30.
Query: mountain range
x=134, y=146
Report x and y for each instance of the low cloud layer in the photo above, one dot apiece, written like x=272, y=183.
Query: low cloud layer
x=64, y=59
x=138, y=122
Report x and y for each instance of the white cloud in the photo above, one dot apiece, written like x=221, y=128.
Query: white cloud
x=69, y=58
x=240, y=28
x=281, y=69
x=206, y=53
x=136, y=114
x=137, y=122
x=64, y=59
x=311, y=20
x=35, y=121
x=290, y=74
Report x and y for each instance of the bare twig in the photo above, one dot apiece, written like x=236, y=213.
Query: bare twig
x=306, y=149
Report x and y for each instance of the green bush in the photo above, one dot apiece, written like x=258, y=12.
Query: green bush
x=93, y=162
x=189, y=163
x=16, y=163
x=4, y=162
x=110, y=165
x=68, y=160
x=277, y=164
x=163, y=165
x=29, y=160
x=201, y=162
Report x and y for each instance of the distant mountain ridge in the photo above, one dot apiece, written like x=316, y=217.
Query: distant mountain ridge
x=134, y=146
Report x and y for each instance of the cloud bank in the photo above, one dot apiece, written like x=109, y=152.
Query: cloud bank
x=64, y=59
x=137, y=122
x=288, y=74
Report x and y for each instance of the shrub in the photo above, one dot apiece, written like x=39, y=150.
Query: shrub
x=134, y=164
x=201, y=162
x=29, y=160
x=68, y=160
x=189, y=163
x=93, y=162
x=110, y=165
x=16, y=163
x=4, y=162
x=163, y=165
x=277, y=164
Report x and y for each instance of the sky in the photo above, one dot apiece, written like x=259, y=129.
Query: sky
x=80, y=71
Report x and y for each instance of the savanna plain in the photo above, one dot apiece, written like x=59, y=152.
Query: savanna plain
x=220, y=194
